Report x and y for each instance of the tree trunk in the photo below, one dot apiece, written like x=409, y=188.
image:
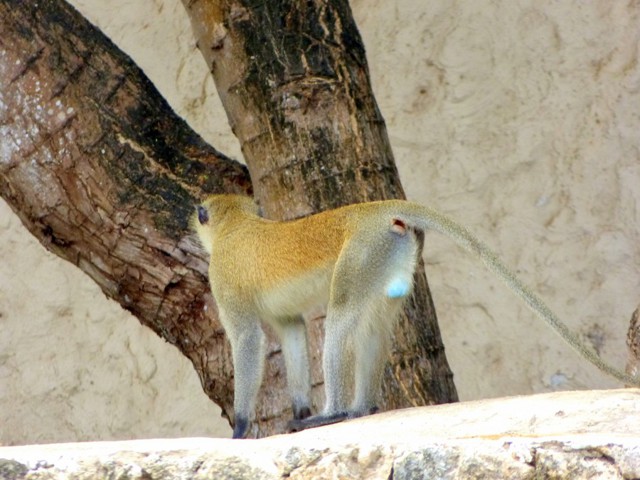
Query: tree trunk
x=294, y=81
x=105, y=175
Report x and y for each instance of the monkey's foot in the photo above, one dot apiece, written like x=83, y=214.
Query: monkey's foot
x=362, y=413
x=297, y=425
x=241, y=428
x=316, y=421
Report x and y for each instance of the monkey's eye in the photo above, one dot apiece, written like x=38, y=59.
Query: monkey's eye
x=203, y=215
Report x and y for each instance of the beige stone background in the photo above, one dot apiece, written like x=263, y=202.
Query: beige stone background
x=520, y=119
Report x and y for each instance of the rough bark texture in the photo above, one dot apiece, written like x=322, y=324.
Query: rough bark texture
x=294, y=81
x=105, y=175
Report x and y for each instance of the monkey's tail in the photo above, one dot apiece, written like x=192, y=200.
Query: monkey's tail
x=427, y=218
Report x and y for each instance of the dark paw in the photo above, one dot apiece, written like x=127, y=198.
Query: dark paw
x=316, y=421
x=241, y=428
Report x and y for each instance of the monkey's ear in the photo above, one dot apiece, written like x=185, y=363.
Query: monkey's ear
x=203, y=215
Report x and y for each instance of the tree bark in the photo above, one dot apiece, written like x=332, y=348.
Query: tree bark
x=105, y=175
x=294, y=81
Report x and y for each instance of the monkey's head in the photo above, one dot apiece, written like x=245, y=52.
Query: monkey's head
x=216, y=212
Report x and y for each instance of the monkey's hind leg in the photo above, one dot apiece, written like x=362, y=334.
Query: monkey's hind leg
x=372, y=277
x=371, y=345
x=370, y=340
x=366, y=365
x=335, y=358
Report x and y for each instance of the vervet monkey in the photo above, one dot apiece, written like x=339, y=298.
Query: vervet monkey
x=359, y=260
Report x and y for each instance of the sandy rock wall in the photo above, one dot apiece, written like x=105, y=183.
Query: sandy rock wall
x=519, y=119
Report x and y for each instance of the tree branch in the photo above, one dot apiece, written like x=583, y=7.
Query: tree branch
x=105, y=175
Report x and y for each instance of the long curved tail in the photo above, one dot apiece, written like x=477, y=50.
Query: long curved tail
x=428, y=218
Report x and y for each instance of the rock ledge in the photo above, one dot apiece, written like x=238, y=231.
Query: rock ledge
x=587, y=434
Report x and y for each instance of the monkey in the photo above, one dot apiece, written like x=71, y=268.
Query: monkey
x=359, y=261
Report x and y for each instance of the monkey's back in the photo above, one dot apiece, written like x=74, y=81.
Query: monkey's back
x=283, y=268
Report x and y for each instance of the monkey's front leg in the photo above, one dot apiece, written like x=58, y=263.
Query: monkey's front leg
x=248, y=346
